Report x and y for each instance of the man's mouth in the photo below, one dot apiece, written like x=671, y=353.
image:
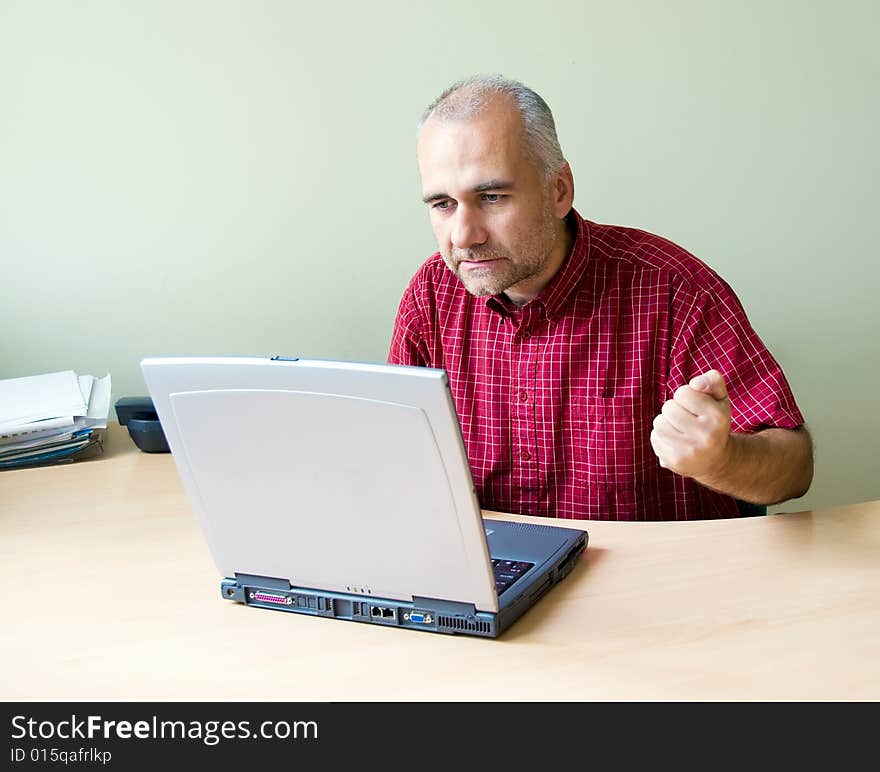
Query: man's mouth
x=482, y=263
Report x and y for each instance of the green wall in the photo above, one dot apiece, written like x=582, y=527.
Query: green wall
x=239, y=177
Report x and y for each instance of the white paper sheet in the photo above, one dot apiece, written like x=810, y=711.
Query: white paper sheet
x=36, y=397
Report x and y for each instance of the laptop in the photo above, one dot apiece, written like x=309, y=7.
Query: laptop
x=343, y=490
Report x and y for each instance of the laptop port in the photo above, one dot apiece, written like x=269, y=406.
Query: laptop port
x=419, y=617
x=375, y=611
x=270, y=597
x=387, y=613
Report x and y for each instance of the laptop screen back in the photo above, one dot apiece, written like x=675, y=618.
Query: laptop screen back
x=333, y=475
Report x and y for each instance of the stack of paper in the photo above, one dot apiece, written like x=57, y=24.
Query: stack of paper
x=52, y=418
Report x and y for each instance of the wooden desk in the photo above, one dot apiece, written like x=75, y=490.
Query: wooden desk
x=111, y=595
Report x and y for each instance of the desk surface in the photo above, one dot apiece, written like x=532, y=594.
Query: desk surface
x=111, y=594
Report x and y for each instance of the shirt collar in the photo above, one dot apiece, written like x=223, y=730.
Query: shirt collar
x=561, y=286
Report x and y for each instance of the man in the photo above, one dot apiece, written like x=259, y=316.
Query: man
x=598, y=372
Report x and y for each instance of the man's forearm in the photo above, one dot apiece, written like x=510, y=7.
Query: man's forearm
x=767, y=467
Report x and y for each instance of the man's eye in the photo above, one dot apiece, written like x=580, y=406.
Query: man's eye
x=441, y=205
x=492, y=198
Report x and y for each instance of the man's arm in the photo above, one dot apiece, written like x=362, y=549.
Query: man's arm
x=692, y=437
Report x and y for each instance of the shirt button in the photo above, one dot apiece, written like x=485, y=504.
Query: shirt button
x=523, y=396
x=525, y=455
x=526, y=335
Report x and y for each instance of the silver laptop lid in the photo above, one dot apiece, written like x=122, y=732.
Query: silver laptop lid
x=334, y=475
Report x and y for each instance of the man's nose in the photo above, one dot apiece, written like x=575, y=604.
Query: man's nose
x=467, y=229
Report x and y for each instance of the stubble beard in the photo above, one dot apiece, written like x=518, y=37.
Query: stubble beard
x=531, y=256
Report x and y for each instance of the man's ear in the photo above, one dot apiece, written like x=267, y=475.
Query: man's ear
x=563, y=189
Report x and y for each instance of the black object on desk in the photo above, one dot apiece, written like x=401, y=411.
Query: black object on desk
x=139, y=415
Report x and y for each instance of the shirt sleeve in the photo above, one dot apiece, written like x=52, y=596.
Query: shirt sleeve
x=716, y=334
x=408, y=346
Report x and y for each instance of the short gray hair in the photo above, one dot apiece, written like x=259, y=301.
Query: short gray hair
x=467, y=97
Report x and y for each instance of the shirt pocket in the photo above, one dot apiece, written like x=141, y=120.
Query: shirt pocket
x=616, y=460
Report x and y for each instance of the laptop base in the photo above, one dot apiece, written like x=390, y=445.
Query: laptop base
x=425, y=614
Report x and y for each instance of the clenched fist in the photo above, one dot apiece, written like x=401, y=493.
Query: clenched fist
x=691, y=434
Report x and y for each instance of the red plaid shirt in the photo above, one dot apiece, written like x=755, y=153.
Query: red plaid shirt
x=556, y=400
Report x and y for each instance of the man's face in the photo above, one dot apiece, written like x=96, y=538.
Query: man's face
x=495, y=217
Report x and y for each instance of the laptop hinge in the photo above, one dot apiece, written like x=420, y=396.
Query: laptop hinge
x=247, y=580
x=450, y=607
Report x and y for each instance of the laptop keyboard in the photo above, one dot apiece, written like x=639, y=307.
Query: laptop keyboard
x=507, y=572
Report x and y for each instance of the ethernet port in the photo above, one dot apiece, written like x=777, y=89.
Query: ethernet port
x=388, y=613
